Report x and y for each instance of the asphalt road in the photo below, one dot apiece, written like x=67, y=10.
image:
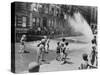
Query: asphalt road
x=75, y=54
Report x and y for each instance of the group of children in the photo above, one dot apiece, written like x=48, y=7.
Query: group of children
x=89, y=61
x=62, y=48
x=61, y=51
x=43, y=48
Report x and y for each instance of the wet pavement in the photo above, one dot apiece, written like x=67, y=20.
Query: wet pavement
x=75, y=54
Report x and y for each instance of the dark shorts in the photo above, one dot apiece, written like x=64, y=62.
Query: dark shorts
x=57, y=52
x=22, y=43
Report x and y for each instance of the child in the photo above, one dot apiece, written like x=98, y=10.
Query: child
x=66, y=49
x=84, y=64
x=93, y=55
x=22, y=44
x=43, y=42
x=65, y=54
x=42, y=51
x=58, y=51
x=47, y=45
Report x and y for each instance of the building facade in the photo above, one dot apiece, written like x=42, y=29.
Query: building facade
x=47, y=19
x=42, y=19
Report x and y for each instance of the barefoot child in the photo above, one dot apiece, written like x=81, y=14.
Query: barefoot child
x=22, y=44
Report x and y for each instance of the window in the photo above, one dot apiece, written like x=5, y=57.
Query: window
x=57, y=12
x=49, y=22
x=23, y=21
x=38, y=21
x=18, y=21
x=46, y=10
x=34, y=21
x=52, y=23
x=55, y=23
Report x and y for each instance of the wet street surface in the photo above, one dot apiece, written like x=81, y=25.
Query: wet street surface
x=22, y=60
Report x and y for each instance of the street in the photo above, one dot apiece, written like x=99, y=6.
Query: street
x=74, y=54
x=53, y=37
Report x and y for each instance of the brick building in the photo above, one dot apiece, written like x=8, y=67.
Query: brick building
x=36, y=17
x=47, y=19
